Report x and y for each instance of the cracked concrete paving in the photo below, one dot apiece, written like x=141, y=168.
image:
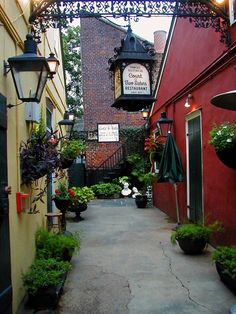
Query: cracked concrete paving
x=127, y=265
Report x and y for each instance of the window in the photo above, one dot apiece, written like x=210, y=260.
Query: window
x=232, y=11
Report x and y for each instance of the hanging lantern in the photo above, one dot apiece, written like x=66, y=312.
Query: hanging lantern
x=132, y=71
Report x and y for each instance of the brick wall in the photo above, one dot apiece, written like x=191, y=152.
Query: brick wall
x=98, y=40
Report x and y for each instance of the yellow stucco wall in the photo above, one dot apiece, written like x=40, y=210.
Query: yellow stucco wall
x=13, y=29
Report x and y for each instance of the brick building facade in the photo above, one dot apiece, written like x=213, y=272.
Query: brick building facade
x=99, y=37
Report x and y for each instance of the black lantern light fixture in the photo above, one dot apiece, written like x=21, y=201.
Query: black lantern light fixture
x=29, y=72
x=53, y=64
x=67, y=124
x=132, y=69
x=164, y=124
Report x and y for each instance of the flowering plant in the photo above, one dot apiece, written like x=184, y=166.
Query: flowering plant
x=223, y=136
x=154, y=146
x=63, y=192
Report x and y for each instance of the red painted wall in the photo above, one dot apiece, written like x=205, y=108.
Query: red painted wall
x=193, y=51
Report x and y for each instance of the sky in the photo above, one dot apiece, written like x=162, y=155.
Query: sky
x=145, y=27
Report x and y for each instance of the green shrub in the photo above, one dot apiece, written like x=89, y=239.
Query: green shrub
x=226, y=257
x=82, y=195
x=44, y=273
x=50, y=245
x=195, y=232
x=106, y=189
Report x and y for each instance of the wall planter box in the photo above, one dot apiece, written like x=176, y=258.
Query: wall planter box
x=48, y=297
x=226, y=278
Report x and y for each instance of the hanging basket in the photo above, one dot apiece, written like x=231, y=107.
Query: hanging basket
x=228, y=157
x=66, y=163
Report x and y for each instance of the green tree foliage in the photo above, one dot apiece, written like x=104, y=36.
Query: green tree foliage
x=72, y=64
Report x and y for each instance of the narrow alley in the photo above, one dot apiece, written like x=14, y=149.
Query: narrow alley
x=128, y=265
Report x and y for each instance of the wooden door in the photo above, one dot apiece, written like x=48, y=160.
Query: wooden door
x=194, y=168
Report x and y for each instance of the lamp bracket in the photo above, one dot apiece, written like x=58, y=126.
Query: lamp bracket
x=6, y=67
x=59, y=13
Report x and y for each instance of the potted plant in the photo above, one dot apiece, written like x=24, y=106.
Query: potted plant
x=106, y=190
x=58, y=246
x=192, y=238
x=223, y=138
x=44, y=282
x=62, y=198
x=80, y=200
x=38, y=156
x=225, y=260
x=140, y=172
x=154, y=146
x=70, y=149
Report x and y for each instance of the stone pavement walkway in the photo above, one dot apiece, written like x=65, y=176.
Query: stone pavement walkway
x=127, y=265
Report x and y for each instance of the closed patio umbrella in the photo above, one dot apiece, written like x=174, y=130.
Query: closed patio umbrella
x=171, y=169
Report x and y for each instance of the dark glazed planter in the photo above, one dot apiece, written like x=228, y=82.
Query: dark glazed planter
x=141, y=201
x=78, y=209
x=228, y=157
x=63, y=206
x=226, y=278
x=192, y=247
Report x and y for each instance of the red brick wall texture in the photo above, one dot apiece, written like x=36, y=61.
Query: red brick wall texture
x=98, y=40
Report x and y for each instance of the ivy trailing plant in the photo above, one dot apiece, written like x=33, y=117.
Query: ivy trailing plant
x=133, y=139
x=39, y=157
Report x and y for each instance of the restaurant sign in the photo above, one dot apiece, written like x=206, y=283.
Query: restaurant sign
x=136, y=80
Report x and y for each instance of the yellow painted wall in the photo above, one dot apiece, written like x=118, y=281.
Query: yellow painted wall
x=13, y=29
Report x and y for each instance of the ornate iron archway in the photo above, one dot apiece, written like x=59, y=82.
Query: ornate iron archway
x=58, y=13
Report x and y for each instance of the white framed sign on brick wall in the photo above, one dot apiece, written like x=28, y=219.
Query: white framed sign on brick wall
x=108, y=132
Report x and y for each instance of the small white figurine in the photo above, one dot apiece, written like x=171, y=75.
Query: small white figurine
x=135, y=192
x=126, y=191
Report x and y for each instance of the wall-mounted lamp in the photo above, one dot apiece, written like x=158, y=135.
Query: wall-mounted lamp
x=68, y=124
x=145, y=113
x=29, y=72
x=53, y=64
x=164, y=124
x=188, y=101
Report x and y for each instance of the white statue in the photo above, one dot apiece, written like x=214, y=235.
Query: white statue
x=135, y=192
x=126, y=191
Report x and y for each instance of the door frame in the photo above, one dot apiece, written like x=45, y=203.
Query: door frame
x=189, y=117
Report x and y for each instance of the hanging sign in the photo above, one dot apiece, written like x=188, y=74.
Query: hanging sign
x=108, y=132
x=136, y=80
x=117, y=83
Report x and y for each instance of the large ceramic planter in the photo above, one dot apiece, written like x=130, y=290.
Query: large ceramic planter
x=226, y=278
x=47, y=297
x=63, y=206
x=141, y=201
x=78, y=209
x=228, y=157
x=190, y=246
